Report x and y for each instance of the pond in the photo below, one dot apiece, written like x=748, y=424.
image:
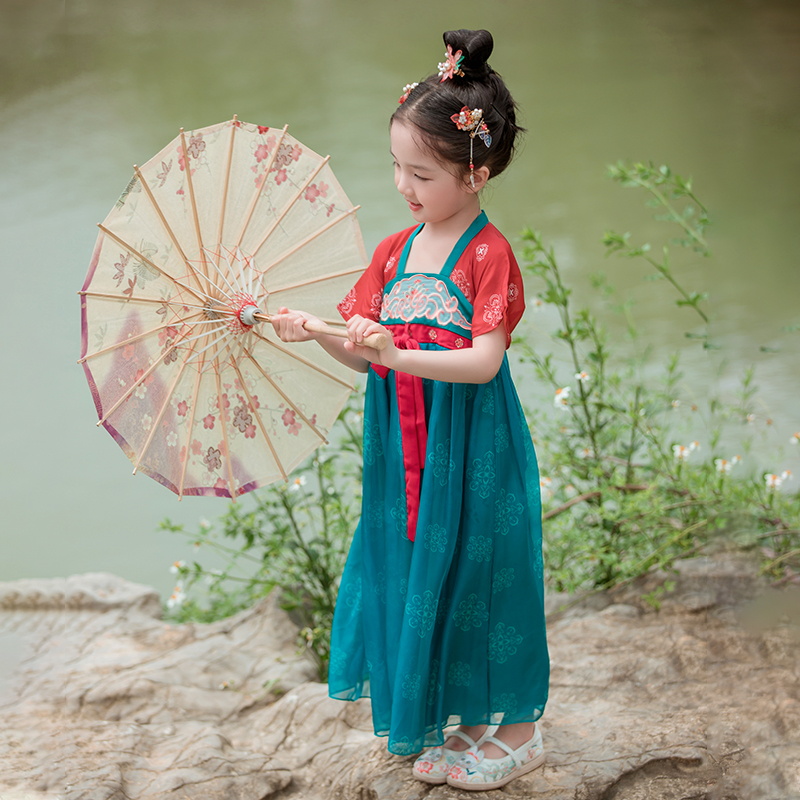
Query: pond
x=90, y=88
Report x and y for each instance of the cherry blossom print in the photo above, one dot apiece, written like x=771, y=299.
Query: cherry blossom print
x=513, y=292
x=250, y=432
x=316, y=190
x=460, y=279
x=493, y=310
x=280, y=176
x=262, y=153
x=480, y=251
x=172, y=439
x=290, y=421
x=263, y=128
x=196, y=146
x=197, y=447
x=208, y=422
x=128, y=352
x=183, y=407
x=242, y=419
x=346, y=306
x=287, y=154
x=119, y=266
x=147, y=422
x=212, y=458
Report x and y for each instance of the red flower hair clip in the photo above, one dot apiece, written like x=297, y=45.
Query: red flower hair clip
x=407, y=89
x=451, y=65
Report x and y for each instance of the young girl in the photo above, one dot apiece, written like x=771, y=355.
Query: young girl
x=439, y=618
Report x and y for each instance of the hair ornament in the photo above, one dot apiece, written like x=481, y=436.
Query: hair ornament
x=451, y=65
x=407, y=89
x=471, y=120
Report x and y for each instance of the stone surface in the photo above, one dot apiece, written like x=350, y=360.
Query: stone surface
x=101, y=699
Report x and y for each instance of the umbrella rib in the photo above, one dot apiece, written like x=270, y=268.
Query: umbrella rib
x=310, y=281
x=261, y=423
x=305, y=361
x=285, y=398
x=228, y=465
x=134, y=385
x=136, y=338
x=291, y=203
x=160, y=414
x=161, y=302
x=193, y=202
x=260, y=186
x=234, y=126
x=167, y=227
x=222, y=275
x=133, y=251
x=189, y=435
x=310, y=238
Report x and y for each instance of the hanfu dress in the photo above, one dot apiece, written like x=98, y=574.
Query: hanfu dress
x=440, y=616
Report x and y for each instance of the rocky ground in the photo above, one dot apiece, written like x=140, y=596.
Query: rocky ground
x=100, y=699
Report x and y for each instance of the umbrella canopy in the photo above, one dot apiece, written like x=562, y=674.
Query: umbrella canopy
x=218, y=230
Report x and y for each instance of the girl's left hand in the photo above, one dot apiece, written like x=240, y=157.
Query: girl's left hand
x=357, y=328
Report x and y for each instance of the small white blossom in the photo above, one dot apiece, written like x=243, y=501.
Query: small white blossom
x=177, y=596
x=736, y=459
x=586, y=452
x=786, y=475
x=695, y=445
x=140, y=391
x=681, y=452
x=724, y=465
x=147, y=422
x=177, y=566
x=204, y=523
x=561, y=399
x=536, y=305
x=676, y=403
x=750, y=418
x=795, y=438
x=773, y=481
x=582, y=376
x=297, y=483
x=172, y=439
x=570, y=490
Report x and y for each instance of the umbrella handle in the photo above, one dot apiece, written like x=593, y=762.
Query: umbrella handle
x=377, y=341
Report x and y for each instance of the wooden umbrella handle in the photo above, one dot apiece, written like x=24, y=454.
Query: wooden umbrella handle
x=377, y=341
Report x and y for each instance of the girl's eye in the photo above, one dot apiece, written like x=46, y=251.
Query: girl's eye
x=421, y=178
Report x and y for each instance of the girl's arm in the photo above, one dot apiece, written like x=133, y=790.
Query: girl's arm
x=288, y=326
x=476, y=364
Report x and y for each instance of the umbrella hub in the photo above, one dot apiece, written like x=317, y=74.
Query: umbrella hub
x=240, y=310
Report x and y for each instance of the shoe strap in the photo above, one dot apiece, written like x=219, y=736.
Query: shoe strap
x=503, y=746
x=461, y=735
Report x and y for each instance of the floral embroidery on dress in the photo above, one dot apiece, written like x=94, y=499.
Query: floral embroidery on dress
x=493, y=310
x=460, y=279
x=505, y=703
x=373, y=446
x=423, y=297
x=435, y=538
x=433, y=335
x=411, y=684
x=400, y=515
x=442, y=464
x=507, y=511
x=503, y=642
x=479, y=548
x=513, y=292
x=502, y=579
x=390, y=263
x=375, y=306
x=480, y=251
x=421, y=612
x=501, y=437
x=481, y=475
x=346, y=306
x=471, y=612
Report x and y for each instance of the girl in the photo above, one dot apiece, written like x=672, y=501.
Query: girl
x=439, y=618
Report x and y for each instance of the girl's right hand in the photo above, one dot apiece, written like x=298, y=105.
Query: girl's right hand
x=288, y=325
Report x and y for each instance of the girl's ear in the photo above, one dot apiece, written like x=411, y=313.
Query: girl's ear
x=481, y=175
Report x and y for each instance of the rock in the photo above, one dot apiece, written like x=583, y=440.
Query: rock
x=100, y=699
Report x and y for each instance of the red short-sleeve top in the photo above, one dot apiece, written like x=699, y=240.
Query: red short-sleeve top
x=486, y=274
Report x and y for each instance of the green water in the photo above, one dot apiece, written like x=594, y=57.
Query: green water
x=89, y=88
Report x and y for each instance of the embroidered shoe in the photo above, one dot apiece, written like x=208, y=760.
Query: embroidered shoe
x=474, y=771
x=434, y=764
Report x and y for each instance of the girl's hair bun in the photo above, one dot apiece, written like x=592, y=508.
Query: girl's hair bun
x=476, y=47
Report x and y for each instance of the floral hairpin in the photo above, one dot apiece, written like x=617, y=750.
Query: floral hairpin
x=407, y=89
x=471, y=120
x=451, y=65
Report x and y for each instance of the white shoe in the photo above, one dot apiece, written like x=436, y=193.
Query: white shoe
x=434, y=764
x=474, y=771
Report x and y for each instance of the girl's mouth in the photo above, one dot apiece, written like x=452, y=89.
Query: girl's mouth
x=413, y=206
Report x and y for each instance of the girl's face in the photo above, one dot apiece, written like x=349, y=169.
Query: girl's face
x=433, y=193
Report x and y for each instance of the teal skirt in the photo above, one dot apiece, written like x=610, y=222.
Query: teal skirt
x=448, y=628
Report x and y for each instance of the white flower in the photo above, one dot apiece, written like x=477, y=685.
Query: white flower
x=536, y=305
x=586, y=452
x=795, y=438
x=736, y=459
x=773, y=481
x=172, y=439
x=297, y=483
x=140, y=391
x=177, y=566
x=121, y=382
x=723, y=465
x=204, y=523
x=676, y=403
x=177, y=596
x=695, y=445
x=582, y=376
x=545, y=485
x=750, y=418
x=786, y=475
x=680, y=452
x=562, y=397
x=570, y=490
x=147, y=421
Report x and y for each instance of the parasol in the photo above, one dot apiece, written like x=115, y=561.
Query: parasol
x=221, y=228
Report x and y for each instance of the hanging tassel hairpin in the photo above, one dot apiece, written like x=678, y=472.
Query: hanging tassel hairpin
x=471, y=120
